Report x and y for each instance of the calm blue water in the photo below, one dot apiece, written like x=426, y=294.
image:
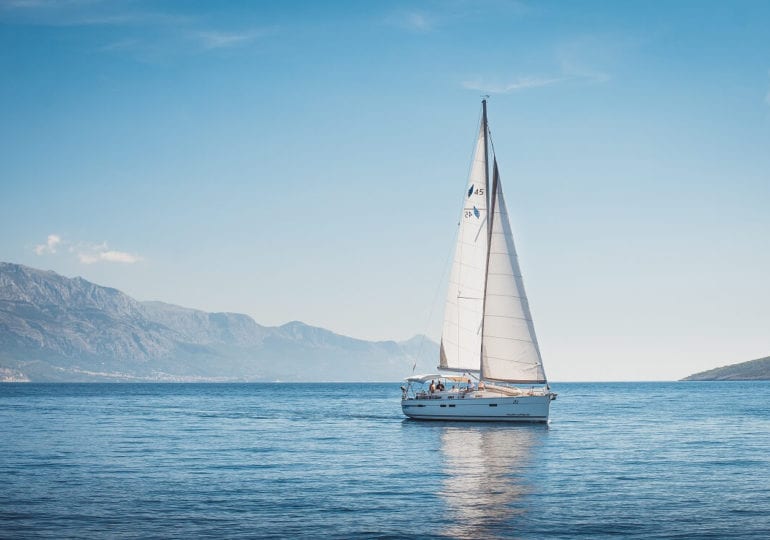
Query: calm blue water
x=633, y=460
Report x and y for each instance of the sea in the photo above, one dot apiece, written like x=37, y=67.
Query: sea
x=618, y=460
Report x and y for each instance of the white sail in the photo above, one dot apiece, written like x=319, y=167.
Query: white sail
x=510, y=351
x=461, y=334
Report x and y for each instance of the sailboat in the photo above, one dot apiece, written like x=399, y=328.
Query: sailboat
x=490, y=366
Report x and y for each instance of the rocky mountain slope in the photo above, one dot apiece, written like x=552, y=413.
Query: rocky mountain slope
x=753, y=370
x=53, y=328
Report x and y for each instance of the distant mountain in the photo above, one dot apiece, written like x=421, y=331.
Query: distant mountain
x=53, y=328
x=753, y=370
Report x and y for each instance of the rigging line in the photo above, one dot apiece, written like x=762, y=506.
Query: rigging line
x=483, y=222
x=433, y=307
x=468, y=265
x=466, y=330
x=446, y=260
x=508, y=317
x=460, y=370
x=519, y=381
x=491, y=142
x=530, y=364
x=511, y=339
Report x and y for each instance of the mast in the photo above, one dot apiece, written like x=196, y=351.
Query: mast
x=486, y=148
x=490, y=216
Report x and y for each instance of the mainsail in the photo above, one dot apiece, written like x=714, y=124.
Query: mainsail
x=510, y=351
x=461, y=334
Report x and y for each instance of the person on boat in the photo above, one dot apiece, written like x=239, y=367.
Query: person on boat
x=432, y=387
x=470, y=385
x=440, y=386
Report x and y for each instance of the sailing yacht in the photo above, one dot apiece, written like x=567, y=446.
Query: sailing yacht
x=488, y=341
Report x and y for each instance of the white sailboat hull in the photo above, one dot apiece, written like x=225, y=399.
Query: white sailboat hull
x=479, y=408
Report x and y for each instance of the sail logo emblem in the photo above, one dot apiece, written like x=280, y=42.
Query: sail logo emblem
x=470, y=191
x=476, y=212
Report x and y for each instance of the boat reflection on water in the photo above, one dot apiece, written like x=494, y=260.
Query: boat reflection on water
x=486, y=476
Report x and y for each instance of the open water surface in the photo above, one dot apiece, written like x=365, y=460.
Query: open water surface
x=632, y=460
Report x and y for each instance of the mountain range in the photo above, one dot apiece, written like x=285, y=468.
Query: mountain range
x=56, y=329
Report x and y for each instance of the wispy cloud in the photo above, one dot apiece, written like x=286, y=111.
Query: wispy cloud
x=121, y=45
x=102, y=254
x=147, y=35
x=572, y=55
x=217, y=40
x=25, y=4
x=437, y=15
x=39, y=4
x=569, y=67
x=519, y=83
x=50, y=245
x=84, y=13
x=413, y=21
x=86, y=253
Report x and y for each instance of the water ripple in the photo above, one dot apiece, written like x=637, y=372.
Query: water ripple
x=631, y=460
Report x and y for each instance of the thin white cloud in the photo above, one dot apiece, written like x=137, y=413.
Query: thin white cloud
x=85, y=13
x=25, y=4
x=166, y=34
x=579, y=72
x=108, y=256
x=121, y=45
x=119, y=257
x=51, y=242
x=90, y=254
x=572, y=67
x=219, y=40
x=452, y=12
x=87, y=253
x=520, y=83
x=413, y=21
x=418, y=22
x=601, y=50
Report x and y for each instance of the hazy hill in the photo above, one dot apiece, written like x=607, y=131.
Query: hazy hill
x=753, y=370
x=53, y=328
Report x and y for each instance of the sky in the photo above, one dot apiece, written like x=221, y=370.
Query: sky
x=305, y=161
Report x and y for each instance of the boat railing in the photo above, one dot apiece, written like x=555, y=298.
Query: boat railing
x=443, y=395
x=462, y=393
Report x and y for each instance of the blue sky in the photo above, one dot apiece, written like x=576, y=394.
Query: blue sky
x=304, y=160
